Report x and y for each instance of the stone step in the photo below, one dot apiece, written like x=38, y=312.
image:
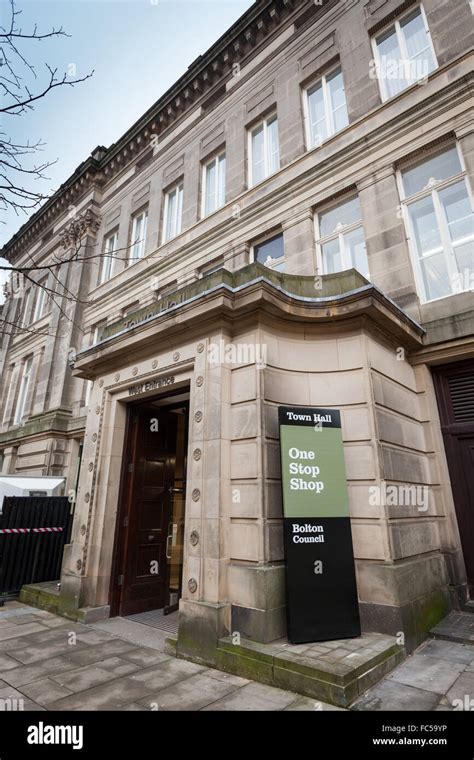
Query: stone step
x=45, y=596
x=337, y=672
x=469, y=607
x=457, y=627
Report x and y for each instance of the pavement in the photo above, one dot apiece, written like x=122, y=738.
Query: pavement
x=50, y=663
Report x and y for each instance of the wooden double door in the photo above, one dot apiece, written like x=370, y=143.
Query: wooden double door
x=150, y=526
x=454, y=385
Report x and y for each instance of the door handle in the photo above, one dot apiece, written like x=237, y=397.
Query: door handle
x=151, y=537
x=175, y=490
x=168, y=538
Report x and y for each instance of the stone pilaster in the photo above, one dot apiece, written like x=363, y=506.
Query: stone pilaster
x=390, y=266
x=465, y=135
x=300, y=249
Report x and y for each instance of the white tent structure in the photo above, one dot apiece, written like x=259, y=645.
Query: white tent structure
x=14, y=485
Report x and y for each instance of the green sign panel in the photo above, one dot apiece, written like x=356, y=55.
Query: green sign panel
x=321, y=590
x=313, y=473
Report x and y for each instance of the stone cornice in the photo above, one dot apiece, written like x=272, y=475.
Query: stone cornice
x=250, y=292
x=40, y=426
x=206, y=75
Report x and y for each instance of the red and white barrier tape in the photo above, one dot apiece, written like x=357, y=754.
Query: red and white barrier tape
x=31, y=530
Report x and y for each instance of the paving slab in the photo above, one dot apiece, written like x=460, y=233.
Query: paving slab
x=253, y=697
x=12, y=700
x=227, y=677
x=29, y=618
x=7, y=663
x=57, y=635
x=165, y=674
x=145, y=657
x=429, y=673
x=53, y=622
x=84, y=655
x=307, y=704
x=88, y=676
x=462, y=692
x=44, y=691
x=38, y=652
x=24, y=674
x=446, y=650
x=391, y=695
x=107, y=696
x=94, y=637
x=456, y=626
x=193, y=693
x=8, y=623
x=139, y=634
x=12, y=632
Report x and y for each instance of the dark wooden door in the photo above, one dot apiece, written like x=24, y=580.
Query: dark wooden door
x=455, y=391
x=143, y=582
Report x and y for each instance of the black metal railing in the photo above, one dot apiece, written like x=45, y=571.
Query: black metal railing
x=33, y=532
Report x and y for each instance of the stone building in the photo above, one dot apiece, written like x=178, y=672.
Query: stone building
x=296, y=213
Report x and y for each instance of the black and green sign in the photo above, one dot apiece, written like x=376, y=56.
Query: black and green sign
x=320, y=576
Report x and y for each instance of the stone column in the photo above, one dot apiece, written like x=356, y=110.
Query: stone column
x=300, y=249
x=390, y=266
x=362, y=92
x=191, y=188
x=204, y=612
x=465, y=135
x=9, y=460
x=290, y=122
x=237, y=257
x=236, y=154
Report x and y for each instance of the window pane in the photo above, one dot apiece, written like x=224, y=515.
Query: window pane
x=465, y=261
x=138, y=236
x=439, y=167
x=269, y=250
x=436, y=277
x=26, y=306
x=280, y=267
x=332, y=258
x=418, y=46
x=425, y=227
x=390, y=57
x=258, y=155
x=138, y=229
x=22, y=396
x=108, y=259
x=141, y=232
x=458, y=212
x=317, y=115
x=273, y=150
x=221, y=182
x=40, y=299
x=179, y=211
x=210, y=187
x=338, y=100
x=356, y=252
x=170, y=216
x=346, y=213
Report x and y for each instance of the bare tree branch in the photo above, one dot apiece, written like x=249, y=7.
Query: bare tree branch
x=22, y=85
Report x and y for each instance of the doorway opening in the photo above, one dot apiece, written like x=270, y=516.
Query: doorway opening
x=149, y=541
x=454, y=384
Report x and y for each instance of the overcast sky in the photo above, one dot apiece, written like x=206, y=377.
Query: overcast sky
x=137, y=49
